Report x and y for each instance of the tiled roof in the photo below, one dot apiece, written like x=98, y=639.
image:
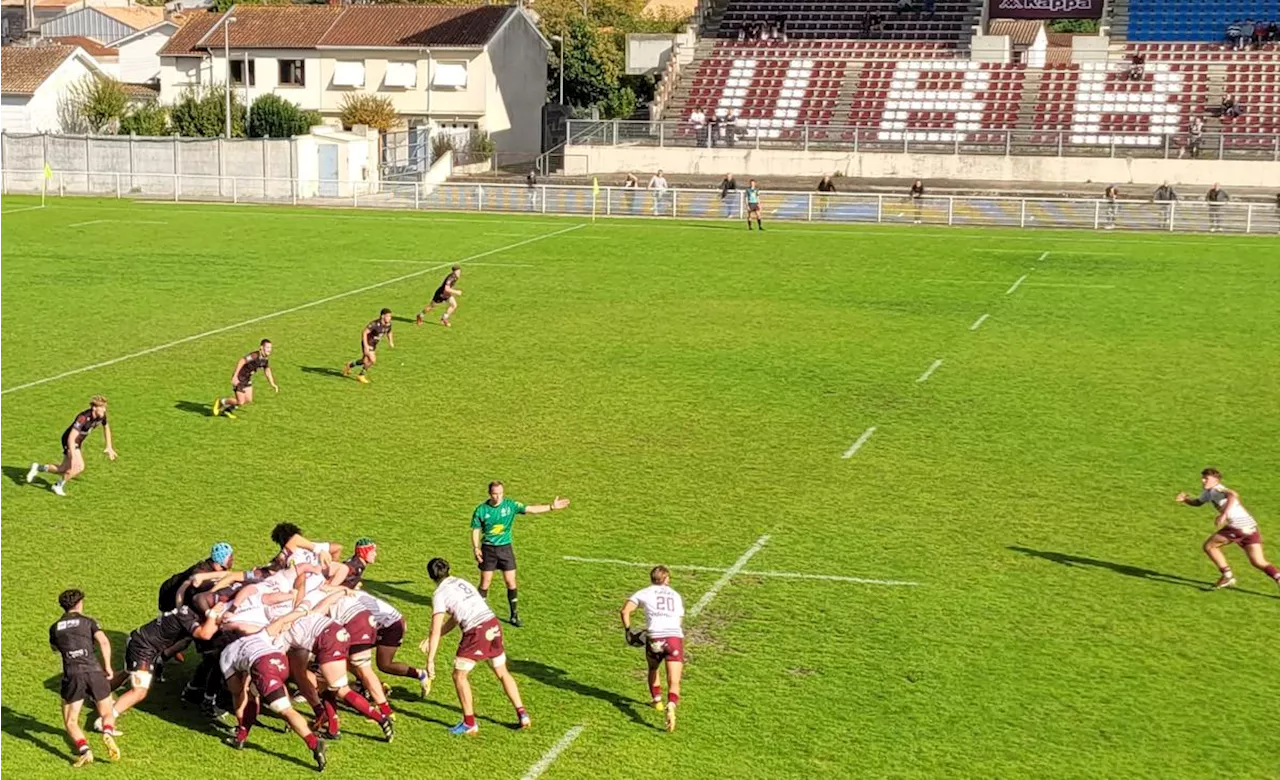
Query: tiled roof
x=91, y=47
x=275, y=27
x=183, y=43
x=416, y=25
x=24, y=68
x=139, y=17
x=1021, y=32
x=141, y=91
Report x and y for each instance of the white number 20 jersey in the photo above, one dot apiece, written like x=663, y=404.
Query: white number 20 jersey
x=663, y=608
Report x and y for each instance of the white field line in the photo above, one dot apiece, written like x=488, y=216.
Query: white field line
x=1016, y=284
x=282, y=312
x=728, y=575
x=1043, y=257
x=1065, y=285
x=505, y=265
x=978, y=322
x=551, y=755
x=928, y=372
x=90, y=222
x=857, y=445
x=795, y=575
x=20, y=210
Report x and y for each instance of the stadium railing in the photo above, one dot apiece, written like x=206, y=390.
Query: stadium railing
x=1017, y=142
x=607, y=201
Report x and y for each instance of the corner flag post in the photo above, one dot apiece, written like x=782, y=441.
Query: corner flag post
x=44, y=185
x=595, y=193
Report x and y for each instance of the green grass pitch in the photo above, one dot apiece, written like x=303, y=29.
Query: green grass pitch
x=692, y=387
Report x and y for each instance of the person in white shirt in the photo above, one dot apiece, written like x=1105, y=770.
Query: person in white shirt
x=662, y=639
x=658, y=184
x=1234, y=525
x=457, y=602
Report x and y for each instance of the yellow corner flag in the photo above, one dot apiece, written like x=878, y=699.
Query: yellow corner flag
x=48, y=172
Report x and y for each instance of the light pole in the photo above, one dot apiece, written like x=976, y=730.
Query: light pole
x=560, y=40
x=226, y=54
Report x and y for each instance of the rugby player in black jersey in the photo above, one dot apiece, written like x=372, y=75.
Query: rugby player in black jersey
x=369, y=338
x=242, y=380
x=72, y=460
x=445, y=293
x=73, y=636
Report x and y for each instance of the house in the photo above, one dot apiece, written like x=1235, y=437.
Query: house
x=103, y=23
x=108, y=58
x=480, y=67
x=1027, y=39
x=34, y=81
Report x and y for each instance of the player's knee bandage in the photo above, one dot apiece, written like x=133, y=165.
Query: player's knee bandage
x=501, y=660
x=140, y=679
x=362, y=658
x=278, y=701
x=339, y=684
x=464, y=664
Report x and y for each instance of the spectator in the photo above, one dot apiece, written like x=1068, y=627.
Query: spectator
x=713, y=131
x=1231, y=108
x=531, y=181
x=730, y=130
x=1233, y=34
x=826, y=188
x=1216, y=197
x=1164, y=194
x=1259, y=34
x=1136, y=66
x=1112, y=195
x=917, y=198
x=1273, y=33
x=742, y=33
x=902, y=7
x=929, y=6
x=631, y=199
x=865, y=24
x=631, y=182
x=698, y=120
x=1246, y=35
x=780, y=27
x=658, y=184
x=1195, y=137
x=728, y=205
x=877, y=24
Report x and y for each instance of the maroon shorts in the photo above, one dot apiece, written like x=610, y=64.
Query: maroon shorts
x=362, y=635
x=269, y=674
x=331, y=645
x=667, y=648
x=482, y=642
x=392, y=635
x=1233, y=534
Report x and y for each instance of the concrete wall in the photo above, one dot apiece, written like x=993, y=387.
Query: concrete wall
x=580, y=160
x=647, y=53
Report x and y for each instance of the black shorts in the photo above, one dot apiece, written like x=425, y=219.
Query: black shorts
x=372, y=348
x=753, y=208
x=240, y=385
x=67, y=445
x=139, y=656
x=439, y=297
x=497, y=558
x=84, y=684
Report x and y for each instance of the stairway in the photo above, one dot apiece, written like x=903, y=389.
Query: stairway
x=1118, y=23
x=848, y=90
x=1030, y=99
x=677, y=103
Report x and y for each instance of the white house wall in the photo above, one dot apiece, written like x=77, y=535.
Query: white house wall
x=517, y=58
x=39, y=113
x=140, y=58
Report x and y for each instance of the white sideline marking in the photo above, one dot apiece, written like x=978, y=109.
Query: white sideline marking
x=928, y=372
x=729, y=574
x=795, y=575
x=117, y=222
x=505, y=265
x=551, y=755
x=1065, y=285
x=19, y=211
x=282, y=312
x=90, y=222
x=857, y=445
x=1016, y=284
x=978, y=322
x=1043, y=257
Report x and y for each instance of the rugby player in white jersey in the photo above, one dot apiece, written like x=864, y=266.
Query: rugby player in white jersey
x=259, y=658
x=1234, y=525
x=663, y=639
x=456, y=602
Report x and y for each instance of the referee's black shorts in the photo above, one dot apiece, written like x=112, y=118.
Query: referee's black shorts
x=497, y=557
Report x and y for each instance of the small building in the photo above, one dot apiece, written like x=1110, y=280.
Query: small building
x=105, y=24
x=34, y=80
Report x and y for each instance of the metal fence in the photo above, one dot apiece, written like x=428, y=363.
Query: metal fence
x=842, y=208
x=1035, y=143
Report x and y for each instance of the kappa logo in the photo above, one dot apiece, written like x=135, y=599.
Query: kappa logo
x=492, y=633
x=343, y=636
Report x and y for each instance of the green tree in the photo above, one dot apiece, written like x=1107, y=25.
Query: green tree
x=1077, y=26
x=271, y=116
x=361, y=108
x=149, y=118
x=201, y=113
x=94, y=104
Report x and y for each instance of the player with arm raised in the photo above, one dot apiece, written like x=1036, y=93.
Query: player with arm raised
x=73, y=636
x=445, y=293
x=491, y=540
x=242, y=380
x=75, y=434
x=456, y=603
x=369, y=338
x=1234, y=525
x=663, y=639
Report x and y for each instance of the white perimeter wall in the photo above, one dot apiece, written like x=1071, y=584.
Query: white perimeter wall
x=580, y=160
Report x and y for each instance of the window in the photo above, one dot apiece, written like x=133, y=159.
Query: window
x=348, y=74
x=293, y=73
x=237, y=73
x=450, y=74
x=402, y=74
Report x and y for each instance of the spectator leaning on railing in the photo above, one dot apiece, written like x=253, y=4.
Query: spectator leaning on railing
x=1233, y=34
x=658, y=184
x=917, y=198
x=1216, y=197
x=728, y=205
x=1165, y=194
x=1195, y=137
x=826, y=188
x=1112, y=195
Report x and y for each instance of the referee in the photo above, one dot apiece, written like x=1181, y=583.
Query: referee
x=491, y=540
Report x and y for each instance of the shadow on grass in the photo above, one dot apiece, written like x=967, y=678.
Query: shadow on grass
x=1067, y=559
x=324, y=371
x=194, y=407
x=398, y=318
x=17, y=474
x=20, y=725
x=559, y=678
x=389, y=590
x=282, y=756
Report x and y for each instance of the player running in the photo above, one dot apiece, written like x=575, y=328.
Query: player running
x=73, y=636
x=242, y=380
x=456, y=602
x=491, y=540
x=753, y=204
x=663, y=639
x=446, y=292
x=72, y=461
x=1234, y=524
x=369, y=338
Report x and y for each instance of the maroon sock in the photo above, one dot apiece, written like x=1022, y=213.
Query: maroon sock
x=1272, y=572
x=655, y=691
x=311, y=740
x=330, y=702
x=520, y=713
x=361, y=705
x=673, y=698
x=469, y=720
x=250, y=716
x=384, y=708
x=414, y=672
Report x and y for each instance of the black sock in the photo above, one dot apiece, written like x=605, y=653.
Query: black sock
x=513, y=600
x=484, y=593
x=226, y=407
